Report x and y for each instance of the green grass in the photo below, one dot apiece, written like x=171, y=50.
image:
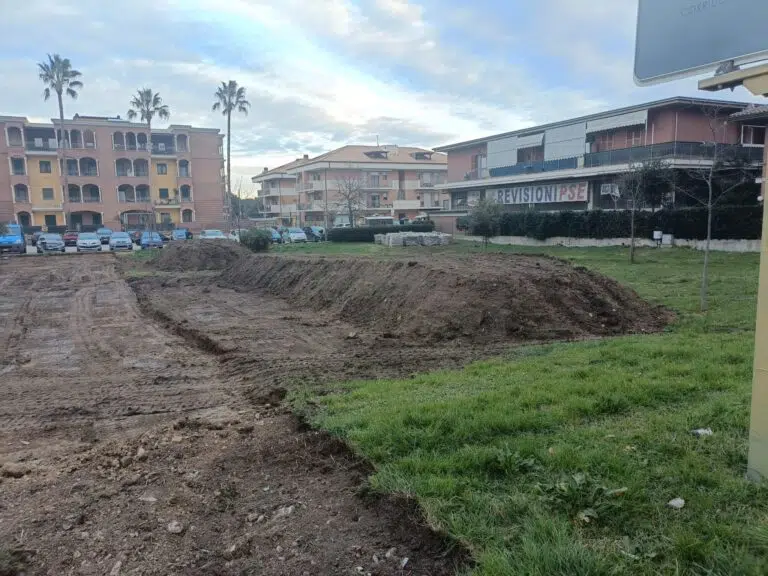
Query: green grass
x=560, y=459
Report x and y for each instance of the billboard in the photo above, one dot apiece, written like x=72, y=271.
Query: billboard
x=542, y=194
x=678, y=38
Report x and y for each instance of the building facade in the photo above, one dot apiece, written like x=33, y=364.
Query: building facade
x=391, y=181
x=574, y=164
x=111, y=173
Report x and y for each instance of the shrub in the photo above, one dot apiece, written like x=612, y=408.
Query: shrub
x=728, y=223
x=366, y=233
x=256, y=240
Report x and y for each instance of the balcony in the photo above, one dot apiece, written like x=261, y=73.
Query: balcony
x=21, y=197
x=376, y=185
x=43, y=146
x=407, y=204
x=313, y=186
x=169, y=202
x=380, y=206
x=138, y=200
x=84, y=200
x=55, y=207
x=311, y=207
x=163, y=150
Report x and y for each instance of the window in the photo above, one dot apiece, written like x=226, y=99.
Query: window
x=373, y=180
x=18, y=167
x=634, y=138
x=753, y=135
x=315, y=177
x=165, y=217
x=401, y=194
x=478, y=168
x=375, y=201
x=162, y=169
x=50, y=220
x=164, y=193
x=47, y=193
x=45, y=166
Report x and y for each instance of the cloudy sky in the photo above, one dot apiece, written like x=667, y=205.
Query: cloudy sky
x=323, y=73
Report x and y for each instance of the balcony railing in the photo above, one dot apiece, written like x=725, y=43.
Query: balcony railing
x=163, y=149
x=184, y=174
x=93, y=172
x=84, y=200
x=186, y=199
x=21, y=198
x=15, y=143
x=139, y=200
x=42, y=147
x=167, y=202
x=667, y=150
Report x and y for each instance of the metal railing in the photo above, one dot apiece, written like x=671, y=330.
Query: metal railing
x=86, y=200
x=166, y=149
x=44, y=147
x=21, y=198
x=167, y=202
x=687, y=150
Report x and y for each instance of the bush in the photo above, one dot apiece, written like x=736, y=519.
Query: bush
x=728, y=223
x=256, y=240
x=366, y=233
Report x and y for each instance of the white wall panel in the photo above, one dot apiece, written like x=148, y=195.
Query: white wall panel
x=632, y=119
x=502, y=152
x=565, y=141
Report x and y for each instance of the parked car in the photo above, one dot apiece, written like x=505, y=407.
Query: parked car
x=120, y=241
x=50, y=243
x=13, y=240
x=212, y=235
x=295, y=235
x=104, y=235
x=165, y=236
x=314, y=233
x=180, y=234
x=276, y=237
x=88, y=242
x=150, y=240
x=70, y=238
x=34, y=237
x=135, y=236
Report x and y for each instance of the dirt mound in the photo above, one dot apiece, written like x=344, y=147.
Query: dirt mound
x=199, y=255
x=487, y=298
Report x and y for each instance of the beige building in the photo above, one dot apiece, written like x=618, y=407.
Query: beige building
x=392, y=181
x=115, y=174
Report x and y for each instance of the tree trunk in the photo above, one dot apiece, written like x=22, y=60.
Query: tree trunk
x=632, y=234
x=704, y=295
x=229, y=166
x=63, y=156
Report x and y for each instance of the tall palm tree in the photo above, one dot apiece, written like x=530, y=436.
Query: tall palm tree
x=231, y=98
x=147, y=105
x=59, y=77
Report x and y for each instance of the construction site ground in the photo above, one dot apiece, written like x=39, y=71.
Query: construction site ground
x=143, y=428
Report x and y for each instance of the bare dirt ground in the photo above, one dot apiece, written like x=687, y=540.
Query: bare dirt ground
x=142, y=429
x=145, y=435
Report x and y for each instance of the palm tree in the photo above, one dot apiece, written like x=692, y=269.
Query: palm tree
x=147, y=104
x=230, y=98
x=58, y=76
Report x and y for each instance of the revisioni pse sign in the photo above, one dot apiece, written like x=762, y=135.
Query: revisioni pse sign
x=544, y=194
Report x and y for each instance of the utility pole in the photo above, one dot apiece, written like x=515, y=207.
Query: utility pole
x=325, y=180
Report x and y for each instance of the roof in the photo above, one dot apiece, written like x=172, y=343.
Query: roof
x=750, y=112
x=357, y=154
x=677, y=100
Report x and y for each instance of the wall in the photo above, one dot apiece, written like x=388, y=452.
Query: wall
x=460, y=161
x=692, y=126
x=717, y=245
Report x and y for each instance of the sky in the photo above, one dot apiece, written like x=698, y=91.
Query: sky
x=320, y=74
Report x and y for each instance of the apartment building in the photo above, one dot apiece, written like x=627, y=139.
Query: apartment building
x=392, y=181
x=111, y=173
x=574, y=164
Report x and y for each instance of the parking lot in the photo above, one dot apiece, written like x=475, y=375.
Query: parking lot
x=71, y=249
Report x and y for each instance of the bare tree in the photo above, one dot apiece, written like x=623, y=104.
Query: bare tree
x=728, y=169
x=642, y=185
x=351, y=197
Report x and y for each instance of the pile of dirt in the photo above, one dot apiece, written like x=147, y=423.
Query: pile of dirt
x=199, y=255
x=483, y=299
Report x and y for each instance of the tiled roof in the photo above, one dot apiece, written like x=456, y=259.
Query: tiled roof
x=396, y=154
x=751, y=112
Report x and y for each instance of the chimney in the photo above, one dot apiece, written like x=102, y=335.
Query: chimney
x=306, y=156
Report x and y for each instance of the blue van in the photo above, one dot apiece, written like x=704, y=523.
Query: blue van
x=13, y=240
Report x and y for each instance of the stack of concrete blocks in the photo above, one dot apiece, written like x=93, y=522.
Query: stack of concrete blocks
x=379, y=238
x=416, y=239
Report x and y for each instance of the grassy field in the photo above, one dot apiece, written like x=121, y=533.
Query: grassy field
x=561, y=459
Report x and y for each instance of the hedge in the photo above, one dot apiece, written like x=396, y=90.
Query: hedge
x=366, y=233
x=728, y=223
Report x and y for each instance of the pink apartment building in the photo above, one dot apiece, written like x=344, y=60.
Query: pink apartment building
x=394, y=181
x=574, y=164
x=116, y=175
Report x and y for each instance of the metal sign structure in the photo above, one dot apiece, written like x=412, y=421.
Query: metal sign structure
x=680, y=38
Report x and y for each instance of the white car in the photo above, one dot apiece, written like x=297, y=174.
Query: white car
x=296, y=235
x=212, y=235
x=120, y=241
x=88, y=242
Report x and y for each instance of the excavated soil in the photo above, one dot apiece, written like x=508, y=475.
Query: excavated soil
x=199, y=255
x=142, y=424
x=483, y=299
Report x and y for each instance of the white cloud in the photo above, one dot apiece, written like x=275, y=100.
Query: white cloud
x=322, y=73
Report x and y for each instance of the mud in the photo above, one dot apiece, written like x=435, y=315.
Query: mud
x=199, y=255
x=488, y=298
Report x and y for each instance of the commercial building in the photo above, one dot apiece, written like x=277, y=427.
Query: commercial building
x=574, y=164
x=111, y=173
x=399, y=182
